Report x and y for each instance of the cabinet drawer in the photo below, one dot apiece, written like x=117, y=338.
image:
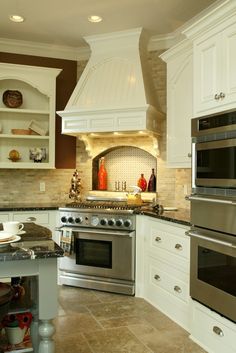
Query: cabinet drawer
x=41, y=217
x=172, y=242
x=213, y=331
x=170, y=279
x=4, y=217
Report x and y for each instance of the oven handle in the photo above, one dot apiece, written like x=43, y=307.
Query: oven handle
x=206, y=199
x=197, y=235
x=96, y=231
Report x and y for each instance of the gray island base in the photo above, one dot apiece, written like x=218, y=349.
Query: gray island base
x=35, y=257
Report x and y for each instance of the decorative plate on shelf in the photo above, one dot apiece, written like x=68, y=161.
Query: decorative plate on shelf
x=12, y=98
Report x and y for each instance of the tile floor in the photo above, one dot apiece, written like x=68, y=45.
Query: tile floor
x=97, y=322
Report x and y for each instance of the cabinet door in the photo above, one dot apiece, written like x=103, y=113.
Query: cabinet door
x=228, y=65
x=207, y=74
x=179, y=114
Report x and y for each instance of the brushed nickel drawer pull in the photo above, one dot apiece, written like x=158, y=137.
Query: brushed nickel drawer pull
x=177, y=289
x=189, y=155
x=217, y=97
x=218, y=331
x=178, y=247
x=157, y=277
x=158, y=239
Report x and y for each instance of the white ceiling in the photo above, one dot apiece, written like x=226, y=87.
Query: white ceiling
x=64, y=22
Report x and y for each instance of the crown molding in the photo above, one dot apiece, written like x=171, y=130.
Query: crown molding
x=71, y=53
x=44, y=49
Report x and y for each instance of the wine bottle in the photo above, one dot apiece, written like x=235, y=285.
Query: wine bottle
x=102, y=175
x=152, y=182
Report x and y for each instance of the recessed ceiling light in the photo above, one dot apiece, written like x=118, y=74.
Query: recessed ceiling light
x=95, y=18
x=16, y=18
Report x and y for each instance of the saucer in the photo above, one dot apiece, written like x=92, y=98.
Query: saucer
x=13, y=240
x=7, y=235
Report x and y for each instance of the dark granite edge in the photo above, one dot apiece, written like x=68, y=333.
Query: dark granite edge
x=166, y=218
x=28, y=208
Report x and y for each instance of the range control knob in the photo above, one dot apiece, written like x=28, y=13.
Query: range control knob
x=111, y=222
x=103, y=221
x=127, y=223
x=63, y=219
x=119, y=222
x=71, y=220
x=78, y=220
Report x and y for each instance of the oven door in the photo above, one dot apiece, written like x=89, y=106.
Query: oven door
x=102, y=253
x=215, y=163
x=213, y=271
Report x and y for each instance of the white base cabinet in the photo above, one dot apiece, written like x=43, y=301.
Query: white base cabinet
x=45, y=218
x=211, y=331
x=162, y=267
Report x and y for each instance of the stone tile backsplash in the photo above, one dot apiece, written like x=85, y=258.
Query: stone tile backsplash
x=22, y=186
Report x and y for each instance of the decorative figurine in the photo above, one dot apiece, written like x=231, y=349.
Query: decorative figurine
x=76, y=187
x=37, y=154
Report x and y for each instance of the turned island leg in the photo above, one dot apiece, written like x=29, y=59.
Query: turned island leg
x=48, y=304
x=46, y=331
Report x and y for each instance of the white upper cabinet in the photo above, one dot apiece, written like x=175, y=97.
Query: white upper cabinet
x=29, y=126
x=214, y=58
x=214, y=71
x=179, y=104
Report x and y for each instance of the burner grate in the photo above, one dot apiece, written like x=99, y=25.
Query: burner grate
x=121, y=205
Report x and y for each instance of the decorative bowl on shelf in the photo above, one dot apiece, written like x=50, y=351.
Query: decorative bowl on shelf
x=21, y=131
x=14, y=155
x=12, y=98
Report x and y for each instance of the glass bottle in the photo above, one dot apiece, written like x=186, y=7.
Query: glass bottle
x=142, y=183
x=102, y=175
x=152, y=182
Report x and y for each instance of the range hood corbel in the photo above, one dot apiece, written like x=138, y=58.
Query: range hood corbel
x=115, y=91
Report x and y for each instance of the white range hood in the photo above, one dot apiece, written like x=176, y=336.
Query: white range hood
x=115, y=93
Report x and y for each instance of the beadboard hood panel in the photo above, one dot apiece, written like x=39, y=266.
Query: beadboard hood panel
x=115, y=91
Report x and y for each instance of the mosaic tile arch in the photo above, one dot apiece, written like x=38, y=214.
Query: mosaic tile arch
x=124, y=164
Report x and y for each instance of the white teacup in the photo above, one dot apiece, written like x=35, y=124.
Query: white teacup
x=12, y=227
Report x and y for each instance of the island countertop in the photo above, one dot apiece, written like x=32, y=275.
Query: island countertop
x=35, y=243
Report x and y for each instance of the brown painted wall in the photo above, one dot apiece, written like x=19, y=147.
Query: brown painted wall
x=65, y=145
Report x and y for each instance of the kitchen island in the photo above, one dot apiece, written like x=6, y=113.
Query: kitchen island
x=34, y=256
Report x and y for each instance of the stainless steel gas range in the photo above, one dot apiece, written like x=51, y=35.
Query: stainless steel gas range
x=99, y=242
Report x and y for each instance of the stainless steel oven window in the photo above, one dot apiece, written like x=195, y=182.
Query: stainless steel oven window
x=213, y=271
x=216, y=163
x=97, y=253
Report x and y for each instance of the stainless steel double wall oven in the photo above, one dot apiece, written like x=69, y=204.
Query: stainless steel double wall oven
x=213, y=213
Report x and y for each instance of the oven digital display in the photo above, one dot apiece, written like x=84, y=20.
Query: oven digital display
x=212, y=122
x=217, y=269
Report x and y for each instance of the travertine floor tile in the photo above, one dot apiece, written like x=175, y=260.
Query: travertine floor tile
x=72, y=324
x=97, y=322
x=71, y=344
x=122, y=321
x=119, y=340
x=128, y=307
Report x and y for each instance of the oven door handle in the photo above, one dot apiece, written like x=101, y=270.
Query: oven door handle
x=96, y=231
x=206, y=199
x=200, y=236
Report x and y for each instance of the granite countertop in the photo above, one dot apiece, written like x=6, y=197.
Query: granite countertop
x=29, y=207
x=35, y=243
x=180, y=216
